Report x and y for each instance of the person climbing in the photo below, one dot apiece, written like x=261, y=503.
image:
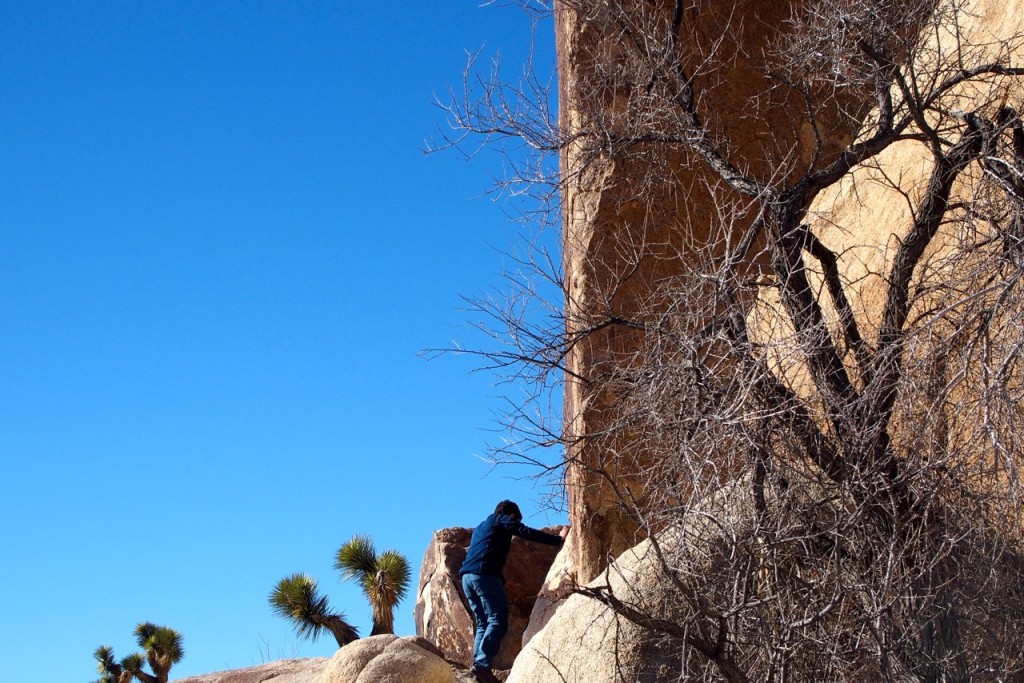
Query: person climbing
x=484, y=584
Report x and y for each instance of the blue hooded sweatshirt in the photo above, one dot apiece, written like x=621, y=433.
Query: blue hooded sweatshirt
x=489, y=546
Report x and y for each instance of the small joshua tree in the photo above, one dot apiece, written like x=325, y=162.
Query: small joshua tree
x=296, y=599
x=112, y=671
x=384, y=578
x=163, y=649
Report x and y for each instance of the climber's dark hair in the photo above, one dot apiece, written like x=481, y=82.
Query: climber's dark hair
x=507, y=507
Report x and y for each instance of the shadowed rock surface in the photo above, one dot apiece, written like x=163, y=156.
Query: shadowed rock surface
x=557, y=588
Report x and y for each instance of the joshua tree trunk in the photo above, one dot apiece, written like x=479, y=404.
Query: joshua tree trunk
x=149, y=678
x=343, y=633
x=383, y=607
x=383, y=622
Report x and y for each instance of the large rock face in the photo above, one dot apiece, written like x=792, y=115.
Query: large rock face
x=556, y=589
x=282, y=671
x=634, y=215
x=585, y=641
x=677, y=582
x=442, y=614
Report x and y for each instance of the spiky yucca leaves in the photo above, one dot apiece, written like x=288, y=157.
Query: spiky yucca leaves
x=104, y=655
x=163, y=646
x=384, y=578
x=296, y=598
x=356, y=558
x=133, y=662
x=112, y=671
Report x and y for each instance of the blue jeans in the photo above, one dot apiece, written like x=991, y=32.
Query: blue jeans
x=487, y=598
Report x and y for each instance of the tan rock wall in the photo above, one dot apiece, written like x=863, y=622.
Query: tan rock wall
x=632, y=220
x=441, y=613
x=865, y=217
x=633, y=217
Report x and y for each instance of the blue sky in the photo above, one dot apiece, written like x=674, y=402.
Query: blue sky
x=221, y=253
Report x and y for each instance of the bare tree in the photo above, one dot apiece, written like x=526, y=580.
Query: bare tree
x=791, y=326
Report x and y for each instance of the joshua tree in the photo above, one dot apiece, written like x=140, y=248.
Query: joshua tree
x=384, y=578
x=163, y=650
x=112, y=671
x=296, y=598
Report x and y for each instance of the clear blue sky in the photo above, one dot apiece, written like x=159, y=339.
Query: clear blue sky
x=222, y=252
